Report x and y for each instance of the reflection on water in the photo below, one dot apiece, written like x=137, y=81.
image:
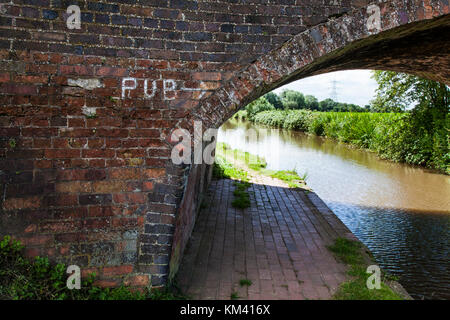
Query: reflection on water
x=400, y=212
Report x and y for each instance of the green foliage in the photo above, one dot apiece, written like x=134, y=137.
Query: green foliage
x=257, y=106
x=350, y=252
x=289, y=176
x=38, y=279
x=252, y=161
x=274, y=100
x=400, y=91
x=422, y=137
x=298, y=120
x=224, y=170
x=241, y=196
x=271, y=118
x=245, y=282
x=419, y=137
x=311, y=103
x=293, y=99
x=12, y=143
x=241, y=115
x=234, y=296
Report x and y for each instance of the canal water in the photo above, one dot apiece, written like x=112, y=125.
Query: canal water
x=402, y=213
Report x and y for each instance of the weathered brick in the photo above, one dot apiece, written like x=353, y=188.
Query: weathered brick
x=109, y=186
x=137, y=281
x=95, y=199
x=125, y=173
x=117, y=270
x=22, y=203
x=74, y=187
x=89, y=166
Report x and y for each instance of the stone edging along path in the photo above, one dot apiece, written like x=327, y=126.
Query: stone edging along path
x=275, y=249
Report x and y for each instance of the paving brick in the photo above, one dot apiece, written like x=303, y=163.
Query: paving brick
x=271, y=268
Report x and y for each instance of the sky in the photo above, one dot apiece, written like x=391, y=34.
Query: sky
x=353, y=86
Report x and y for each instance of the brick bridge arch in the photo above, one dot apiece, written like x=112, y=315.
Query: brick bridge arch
x=86, y=115
x=402, y=44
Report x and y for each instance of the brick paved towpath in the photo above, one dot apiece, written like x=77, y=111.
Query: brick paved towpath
x=279, y=243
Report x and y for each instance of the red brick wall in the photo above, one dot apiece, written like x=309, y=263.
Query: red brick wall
x=85, y=170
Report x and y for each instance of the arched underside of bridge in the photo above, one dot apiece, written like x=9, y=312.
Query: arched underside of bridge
x=86, y=174
x=421, y=48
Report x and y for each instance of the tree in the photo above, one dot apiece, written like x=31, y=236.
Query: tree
x=428, y=104
x=257, y=106
x=293, y=99
x=400, y=91
x=311, y=102
x=327, y=105
x=274, y=100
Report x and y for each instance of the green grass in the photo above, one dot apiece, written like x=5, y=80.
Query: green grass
x=351, y=253
x=234, y=296
x=254, y=162
x=245, y=282
x=224, y=169
x=348, y=251
x=241, y=115
x=38, y=279
x=241, y=196
x=290, y=177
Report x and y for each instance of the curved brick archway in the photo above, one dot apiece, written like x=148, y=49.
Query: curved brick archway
x=86, y=115
x=410, y=40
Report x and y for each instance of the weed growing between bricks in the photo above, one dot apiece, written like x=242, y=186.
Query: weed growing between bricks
x=242, y=198
x=245, y=282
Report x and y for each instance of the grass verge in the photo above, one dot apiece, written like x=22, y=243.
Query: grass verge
x=291, y=177
x=225, y=169
x=351, y=253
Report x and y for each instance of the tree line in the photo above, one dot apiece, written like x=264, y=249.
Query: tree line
x=408, y=120
x=294, y=100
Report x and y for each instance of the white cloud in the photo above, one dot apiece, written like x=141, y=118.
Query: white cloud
x=353, y=86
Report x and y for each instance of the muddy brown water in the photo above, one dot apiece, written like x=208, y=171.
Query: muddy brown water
x=401, y=212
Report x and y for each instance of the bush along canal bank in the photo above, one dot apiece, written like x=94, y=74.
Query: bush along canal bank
x=246, y=168
x=416, y=138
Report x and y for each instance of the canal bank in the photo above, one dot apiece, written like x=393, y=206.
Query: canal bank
x=400, y=212
x=276, y=247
